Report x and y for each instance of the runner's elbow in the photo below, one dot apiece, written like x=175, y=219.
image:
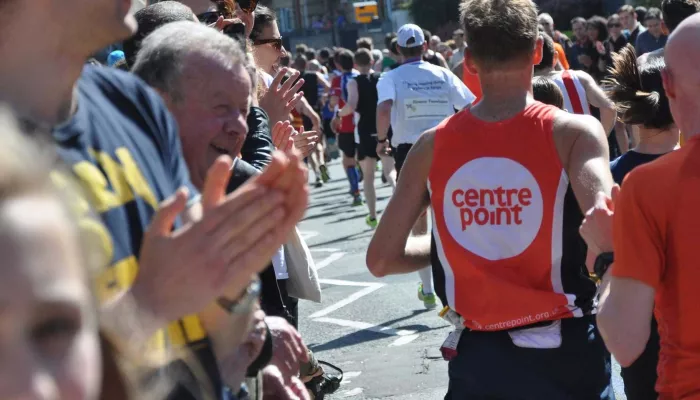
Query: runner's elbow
x=624, y=342
x=377, y=262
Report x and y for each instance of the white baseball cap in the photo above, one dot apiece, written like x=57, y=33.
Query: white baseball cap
x=410, y=31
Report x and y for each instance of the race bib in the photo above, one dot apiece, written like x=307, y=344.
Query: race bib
x=424, y=108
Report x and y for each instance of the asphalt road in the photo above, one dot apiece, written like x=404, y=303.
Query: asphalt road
x=376, y=330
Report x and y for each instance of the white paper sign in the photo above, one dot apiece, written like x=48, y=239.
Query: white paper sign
x=425, y=108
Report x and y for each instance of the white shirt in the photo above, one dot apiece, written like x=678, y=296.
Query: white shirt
x=423, y=95
x=267, y=79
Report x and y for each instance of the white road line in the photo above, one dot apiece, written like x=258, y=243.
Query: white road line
x=339, y=282
x=329, y=250
x=404, y=340
x=351, y=374
x=364, y=326
x=308, y=235
x=371, y=287
x=328, y=260
x=353, y=392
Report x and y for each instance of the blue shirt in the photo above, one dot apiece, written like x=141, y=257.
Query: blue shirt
x=646, y=43
x=624, y=164
x=123, y=146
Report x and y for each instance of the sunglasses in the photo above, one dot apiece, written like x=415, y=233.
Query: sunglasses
x=226, y=9
x=615, y=26
x=276, y=43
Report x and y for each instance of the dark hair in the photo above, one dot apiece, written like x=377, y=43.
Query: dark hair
x=365, y=43
x=578, y=20
x=547, y=91
x=458, y=32
x=675, y=11
x=410, y=52
x=600, y=24
x=394, y=46
x=641, y=13
x=638, y=91
x=427, y=35
x=627, y=9
x=653, y=13
x=324, y=53
x=264, y=16
x=310, y=55
x=613, y=19
x=345, y=60
x=548, y=53
x=388, y=38
x=500, y=32
x=363, y=57
x=151, y=18
x=300, y=63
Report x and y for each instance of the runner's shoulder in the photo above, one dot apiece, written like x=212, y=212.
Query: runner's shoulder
x=571, y=127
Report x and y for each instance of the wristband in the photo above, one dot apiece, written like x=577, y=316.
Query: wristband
x=382, y=140
x=602, y=263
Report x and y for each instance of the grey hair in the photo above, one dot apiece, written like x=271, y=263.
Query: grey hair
x=546, y=17
x=160, y=62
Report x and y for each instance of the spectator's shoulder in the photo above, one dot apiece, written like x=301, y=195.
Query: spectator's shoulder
x=120, y=85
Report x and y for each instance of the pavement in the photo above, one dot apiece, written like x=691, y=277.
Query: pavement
x=375, y=330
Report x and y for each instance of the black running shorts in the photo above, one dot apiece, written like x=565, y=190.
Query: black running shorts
x=346, y=143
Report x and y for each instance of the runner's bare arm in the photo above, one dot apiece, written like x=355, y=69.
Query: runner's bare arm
x=583, y=150
x=391, y=251
x=626, y=306
x=598, y=98
x=353, y=97
x=323, y=82
x=304, y=108
x=384, y=119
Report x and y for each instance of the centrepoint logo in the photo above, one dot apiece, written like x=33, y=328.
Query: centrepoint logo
x=493, y=207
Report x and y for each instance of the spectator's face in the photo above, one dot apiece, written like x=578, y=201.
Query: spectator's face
x=548, y=27
x=654, y=26
x=434, y=43
x=615, y=28
x=629, y=20
x=593, y=33
x=49, y=343
x=268, y=55
x=198, y=6
x=580, y=30
x=211, y=113
x=459, y=40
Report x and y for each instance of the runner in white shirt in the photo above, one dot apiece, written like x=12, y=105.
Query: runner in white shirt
x=413, y=98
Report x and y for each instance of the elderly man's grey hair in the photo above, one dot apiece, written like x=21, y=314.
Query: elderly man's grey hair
x=544, y=17
x=160, y=62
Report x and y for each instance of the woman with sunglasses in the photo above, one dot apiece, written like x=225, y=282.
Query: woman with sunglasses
x=267, y=42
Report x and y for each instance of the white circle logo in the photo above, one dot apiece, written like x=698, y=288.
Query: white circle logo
x=493, y=207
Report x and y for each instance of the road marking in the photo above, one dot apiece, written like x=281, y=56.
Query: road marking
x=306, y=235
x=353, y=392
x=349, y=375
x=328, y=260
x=404, y=340
x=365, y=326
x=329, y=250
x=369, y=288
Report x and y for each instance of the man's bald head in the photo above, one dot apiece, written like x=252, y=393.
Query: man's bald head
x=682, y=77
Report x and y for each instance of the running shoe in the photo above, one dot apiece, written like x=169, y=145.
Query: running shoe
x=429, y=300
x=357, y=200
x=324, y=174
x=372, y=222
x=318, y=183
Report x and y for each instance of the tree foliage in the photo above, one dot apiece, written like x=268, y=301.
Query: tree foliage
x=440, y=17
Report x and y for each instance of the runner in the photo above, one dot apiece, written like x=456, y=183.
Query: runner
x=345, y=126
x=362, y=98
x=580, y=90
x=655, y=222
x=412, y=98
x=505, y=179
x=639, y=95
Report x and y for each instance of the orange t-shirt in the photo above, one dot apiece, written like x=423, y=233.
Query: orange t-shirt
x=656, y=231
x=561, y=56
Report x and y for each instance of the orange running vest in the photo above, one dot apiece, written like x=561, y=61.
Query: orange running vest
x=506, y=247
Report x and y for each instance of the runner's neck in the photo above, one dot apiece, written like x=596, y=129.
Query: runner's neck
x=505, y=94
x=657, y=141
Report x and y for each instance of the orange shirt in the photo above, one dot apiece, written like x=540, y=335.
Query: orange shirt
x=561, y=56
x=471, y=81
x=656, y=231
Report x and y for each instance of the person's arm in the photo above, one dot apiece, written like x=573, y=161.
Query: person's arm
x=441, y=60
x=583, y=149
x=386, y=95
x=257, y=147
x=353, y=97
x=598, y=98
x=304, y=108
x=391, y=251
x=323, y=82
